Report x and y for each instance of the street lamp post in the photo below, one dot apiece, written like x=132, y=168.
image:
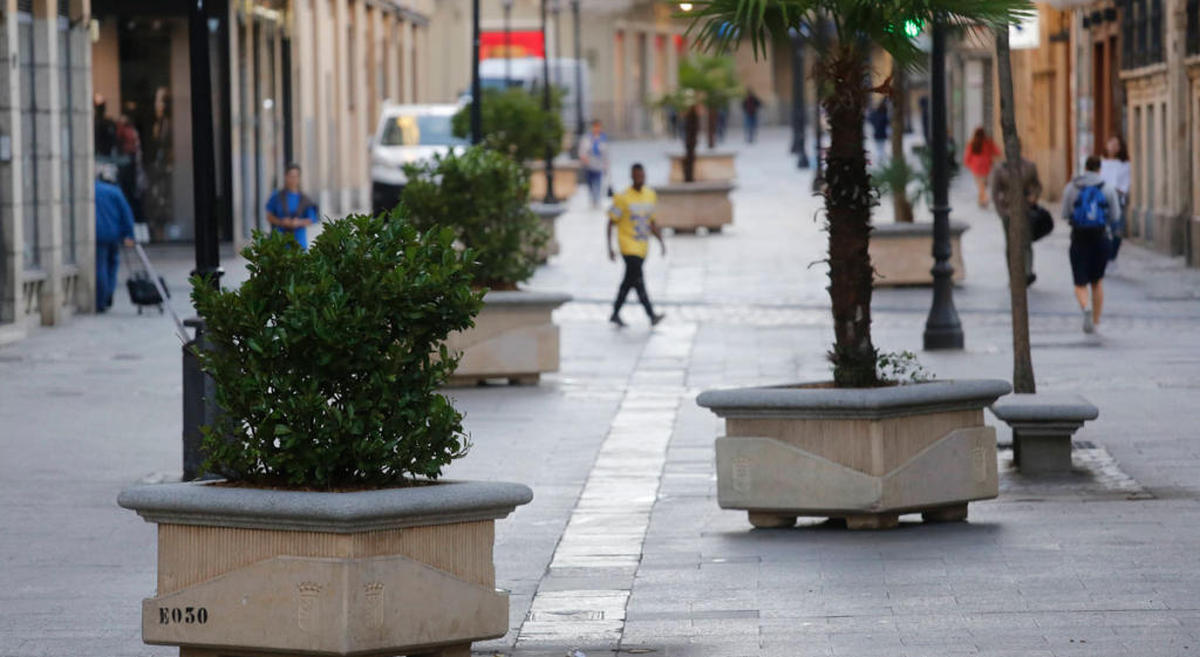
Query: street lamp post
x=508, y=5
x=199, y=409
x=942, y=329
x=799, y=147
x=579, y=129
x=556, y=9
x=549, y=166
x=476, y=88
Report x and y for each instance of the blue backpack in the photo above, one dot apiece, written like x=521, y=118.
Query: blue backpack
x=1091, y=208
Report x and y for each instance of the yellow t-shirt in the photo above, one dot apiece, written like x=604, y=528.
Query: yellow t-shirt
x=633, y=213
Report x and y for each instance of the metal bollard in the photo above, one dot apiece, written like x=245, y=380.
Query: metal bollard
x=199, y=401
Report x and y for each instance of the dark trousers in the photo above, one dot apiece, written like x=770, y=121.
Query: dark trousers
x=634, y=280
x=108, y=258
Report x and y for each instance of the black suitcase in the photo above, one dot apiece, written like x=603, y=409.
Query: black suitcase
x=142, y=290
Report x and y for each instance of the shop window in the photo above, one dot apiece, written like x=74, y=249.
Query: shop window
x=26, y=77
x=67, y=103
x=1193, y=27
x=1142, y=26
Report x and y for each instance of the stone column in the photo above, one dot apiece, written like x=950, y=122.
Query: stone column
x=47, y=155
x=11, y=194
x=83, y=156
x=1179, y=184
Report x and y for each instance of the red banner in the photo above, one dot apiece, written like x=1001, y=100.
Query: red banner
x=520, y=44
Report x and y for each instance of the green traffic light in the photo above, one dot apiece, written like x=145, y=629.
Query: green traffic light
x=913, y=28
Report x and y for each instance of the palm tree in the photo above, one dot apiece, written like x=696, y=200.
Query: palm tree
x=704, y=81
x=844, y=89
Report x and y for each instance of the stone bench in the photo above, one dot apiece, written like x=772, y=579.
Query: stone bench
x=1042, y=426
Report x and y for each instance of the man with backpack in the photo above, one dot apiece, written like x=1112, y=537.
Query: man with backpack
x=1093, y=209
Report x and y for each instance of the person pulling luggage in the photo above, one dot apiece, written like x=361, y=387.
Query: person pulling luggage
x=114, y=228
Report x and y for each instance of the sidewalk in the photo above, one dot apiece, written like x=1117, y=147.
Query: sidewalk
x=1105, y=565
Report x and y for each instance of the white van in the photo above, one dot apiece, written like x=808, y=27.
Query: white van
x=407, y=134
x=526, y=73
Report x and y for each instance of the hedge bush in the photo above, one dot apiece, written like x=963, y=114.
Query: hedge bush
x=327, y=362
x=482, y=196
x=515, y=124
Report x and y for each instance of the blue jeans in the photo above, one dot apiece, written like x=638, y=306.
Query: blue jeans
x=595, y=183
x=108, y=258
x=751, y=128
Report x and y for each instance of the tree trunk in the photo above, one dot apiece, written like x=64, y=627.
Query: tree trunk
x=691, y=134
x=712, y=118
x=901, y=205
x=849, y=198
x=1018, y=223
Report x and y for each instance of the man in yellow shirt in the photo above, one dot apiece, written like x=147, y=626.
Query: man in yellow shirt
x=632, y=216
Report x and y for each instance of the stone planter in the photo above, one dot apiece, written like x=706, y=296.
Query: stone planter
x=866, y=455
x=566, y=179
x=514, y=338
x=403, y=571
x=549, y=214
x=711, y=166
x=903, y=253
x=685, y=207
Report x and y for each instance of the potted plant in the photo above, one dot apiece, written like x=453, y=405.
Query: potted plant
x=859, y=447
x=480, y=194
x=697, y=193
x=515, y=123
x=902, y=250
x=332, y=532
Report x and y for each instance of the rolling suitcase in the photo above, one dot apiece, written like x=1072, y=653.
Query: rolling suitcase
x=146, y=287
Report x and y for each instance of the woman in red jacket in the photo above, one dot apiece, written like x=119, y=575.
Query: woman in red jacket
x=981, y=152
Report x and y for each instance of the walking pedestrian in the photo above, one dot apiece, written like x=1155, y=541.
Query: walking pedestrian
x=593, y=153
x=114, y=228
x=1032, y=184
x=1115, y=170
x=289, y=210
x=1092, y=208
x=981, y=153
x=750, y=106
x=880, y=124
x=632, y=216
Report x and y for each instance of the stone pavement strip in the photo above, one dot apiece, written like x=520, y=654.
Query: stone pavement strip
x=624, y=550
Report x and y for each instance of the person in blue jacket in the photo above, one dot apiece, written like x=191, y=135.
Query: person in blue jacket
x=114, y=227
x=289, y=210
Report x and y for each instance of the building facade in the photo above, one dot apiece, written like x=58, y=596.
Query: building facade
x=296, y=81
x=47, y=221
x=632, y=49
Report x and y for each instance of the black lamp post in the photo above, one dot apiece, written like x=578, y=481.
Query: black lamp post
x=476, y=89
x=549, y=167
x=556, y=9
x=799, y=147
x=508, y=5
x=579, y=129
x=199, y=408
x=942, y=329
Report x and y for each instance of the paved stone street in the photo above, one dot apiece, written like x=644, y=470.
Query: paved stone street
x=624, y=547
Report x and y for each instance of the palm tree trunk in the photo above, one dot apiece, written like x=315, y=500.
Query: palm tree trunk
x=901, y=205
x=1018, y=223
x=849, y=198
x=691, y=134
x=712, y=119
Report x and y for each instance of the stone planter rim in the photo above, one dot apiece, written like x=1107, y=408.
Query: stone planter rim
x=202, y=503
x=525, y=298
x=913, y=229
x=698, y=186
x=550, y=210
x=854, y=403
x=700, y=154
x=561, y=161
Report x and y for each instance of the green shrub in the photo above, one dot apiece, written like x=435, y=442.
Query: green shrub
x=483, y=196
x=515, y=124
x=327, y=362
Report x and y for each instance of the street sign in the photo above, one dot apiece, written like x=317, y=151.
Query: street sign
x=1025, y=35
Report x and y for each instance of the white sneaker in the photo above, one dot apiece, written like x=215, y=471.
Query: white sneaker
x=1088, y=325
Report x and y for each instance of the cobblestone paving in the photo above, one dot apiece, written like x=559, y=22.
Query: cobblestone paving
x=1100, y=563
